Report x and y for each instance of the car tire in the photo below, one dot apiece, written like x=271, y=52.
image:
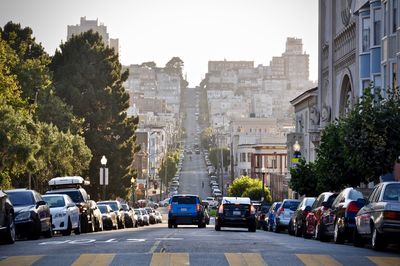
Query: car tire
x=217, y=228
x=377, y=240
x=252, y=228
x=92, y=225
x=290, y=229
x=78, y=230
x=169, y=224
x=36, y=232
x=320, y=233
x=67, y=232
x=49, y=232
x=84, y=224
x=275, y=228
x=175, y=226
x=298, y=231
x=10, y=234
x=338, y=236
x=358, y=241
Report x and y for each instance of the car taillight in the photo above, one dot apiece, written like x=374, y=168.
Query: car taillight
x=198, y=207
x=252, y=210
x=280, y=211
x=221, y=209
x=352, y=207
x=391, y=215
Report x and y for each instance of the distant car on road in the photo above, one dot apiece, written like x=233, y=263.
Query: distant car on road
x=117, y=208
x=236, y=212
x=270, y=217
x=284, y=214
x=165, y=202
x=298, y=219
x=108, y=216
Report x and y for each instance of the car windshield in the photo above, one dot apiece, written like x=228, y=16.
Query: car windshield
x=355, y=195
x=290, y=204
x=113, y=205
x=21, y=198
x=309, y=202
x=54, y=201
x=75, y=195
x=184, y=200
x=102, y=208
x=392, y=192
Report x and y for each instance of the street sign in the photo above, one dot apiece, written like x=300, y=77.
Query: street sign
x=103, y=178
x=106, y=177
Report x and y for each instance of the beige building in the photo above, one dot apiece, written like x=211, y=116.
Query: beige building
x=86, y=25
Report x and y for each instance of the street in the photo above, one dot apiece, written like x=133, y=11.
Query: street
x=188, y=245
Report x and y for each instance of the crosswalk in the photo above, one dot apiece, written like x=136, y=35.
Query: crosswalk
x=184, y=259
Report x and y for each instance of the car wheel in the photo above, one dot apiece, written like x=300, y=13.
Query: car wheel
x=84, y=224
x=358, y=241
x=252, y=228
x=77, y=231
x=298, y=231
x=175, y=226
x=92, y=226
x=290, y=228
x=10, y=233
x=275, y=228
x=338, y=237
x=101, y=225
x=35, y=233
x=377, y=240
x=217, y=228
x=49, y=232
x=67, y=232
x=169, y=224
x=136, y=224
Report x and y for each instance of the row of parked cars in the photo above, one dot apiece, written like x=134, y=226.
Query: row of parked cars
x=345, y=216
x=64, y=209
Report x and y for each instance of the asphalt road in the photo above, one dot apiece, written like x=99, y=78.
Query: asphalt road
x=188, y=245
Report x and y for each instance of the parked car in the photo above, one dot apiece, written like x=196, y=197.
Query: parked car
x=186, y=210
x=379, y=220
x=339, y=220
x=64, y=213
x=72, y=186
x=158, y=217
x=164, y=202
x=32, y=214
x=109, y=217
x=152, y=215
x=284, y=214
x=236, y=212
x=98, y=220
x=146, y=216
x=298, y=219
x=262, y=211
x=7, y=224
x=130, y=220
x=212, y=202
x=117, y=208
x=313, y=219
x=139, y=215
x=270, y=217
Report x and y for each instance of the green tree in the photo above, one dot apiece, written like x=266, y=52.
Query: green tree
x=256, y=193
x=89, y=77
x=207, y=138
x=215, y=156
x=304, y=179
x=170, y=167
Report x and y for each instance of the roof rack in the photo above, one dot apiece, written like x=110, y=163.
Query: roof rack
x=68, y=182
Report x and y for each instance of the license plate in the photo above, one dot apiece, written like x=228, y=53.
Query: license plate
x=183, y=209
x=236, y=213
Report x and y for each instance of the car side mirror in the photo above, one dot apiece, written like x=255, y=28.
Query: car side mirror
x=40, y=203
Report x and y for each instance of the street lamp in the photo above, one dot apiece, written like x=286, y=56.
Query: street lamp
x=104, y=175
x=296, y=154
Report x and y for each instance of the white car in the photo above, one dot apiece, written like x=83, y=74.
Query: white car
x=64, y=213
x=164, y=203
x=211, y=201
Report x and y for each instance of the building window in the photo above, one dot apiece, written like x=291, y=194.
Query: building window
x=377, y=26
x=365, y=84
x=394, y=18
x=384, y=76
x=242, y=157
x=249, y=157
x=386, y=18
x=365, y=34
x=377, y=81
x=394, y=77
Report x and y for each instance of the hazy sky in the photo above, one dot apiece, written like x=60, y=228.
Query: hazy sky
x=195, y=30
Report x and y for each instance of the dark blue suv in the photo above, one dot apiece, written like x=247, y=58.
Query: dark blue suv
x=186, y=210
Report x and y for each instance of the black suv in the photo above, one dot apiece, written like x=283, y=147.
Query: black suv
x=7, y=225
x=81, y=199
x=236, y=212
x=32, y=214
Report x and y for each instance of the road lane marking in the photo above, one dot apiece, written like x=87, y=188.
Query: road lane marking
x=168, y=238
x=385, y=261
x=245, y=259
x=318, y=260
x=94, y=260
x=19, y=260
x=170, y=259
x=155, y=246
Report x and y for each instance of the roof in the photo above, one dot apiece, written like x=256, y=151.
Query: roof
x=305, y=95
x=236, y=200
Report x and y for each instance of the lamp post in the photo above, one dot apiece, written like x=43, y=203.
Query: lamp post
x=263, y=182
x=104, y=175
x=133, y=180
x=296, y=154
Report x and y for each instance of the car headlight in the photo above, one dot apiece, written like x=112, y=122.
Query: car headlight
x=23, y=216
x=60, y=214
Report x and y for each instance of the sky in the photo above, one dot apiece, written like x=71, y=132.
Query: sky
x=194, y=30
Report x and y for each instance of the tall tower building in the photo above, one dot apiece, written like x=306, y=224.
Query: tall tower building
x=86, y=25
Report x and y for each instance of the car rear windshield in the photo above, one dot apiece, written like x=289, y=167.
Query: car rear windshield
x=355, y=195
x=21, y=198
x=113, y=205
x=184, y=200
x=102, y=208
x=392, y=192
x=54, y=201
x=75, y=195
x=290, y=204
